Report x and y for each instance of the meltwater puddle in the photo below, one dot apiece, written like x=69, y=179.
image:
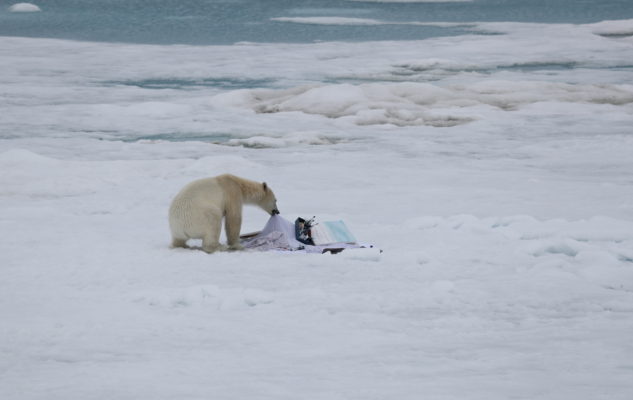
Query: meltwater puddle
x=192, y=83
x=253, y=142
x=213, y=138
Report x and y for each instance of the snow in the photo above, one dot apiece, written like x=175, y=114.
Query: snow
x=24, y=7
x=495, y=177
x=613, y=28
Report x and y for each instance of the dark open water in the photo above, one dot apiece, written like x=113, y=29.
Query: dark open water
x=230, y=21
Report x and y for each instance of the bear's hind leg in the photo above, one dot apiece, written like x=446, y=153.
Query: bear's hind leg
x=175, y=243
x=232, y=227
x=211, y=239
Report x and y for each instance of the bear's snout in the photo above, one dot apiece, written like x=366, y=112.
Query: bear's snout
x=274, y=212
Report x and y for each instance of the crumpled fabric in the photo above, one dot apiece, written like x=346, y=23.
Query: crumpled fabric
x=272, y=241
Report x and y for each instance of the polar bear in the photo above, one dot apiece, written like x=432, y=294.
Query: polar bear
x=197, y=210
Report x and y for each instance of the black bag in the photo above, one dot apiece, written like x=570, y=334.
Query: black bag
x=302, y=230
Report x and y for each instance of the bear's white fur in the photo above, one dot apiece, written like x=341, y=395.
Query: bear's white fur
x=197, y=210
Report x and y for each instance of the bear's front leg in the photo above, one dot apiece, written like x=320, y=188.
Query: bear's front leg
x=232, y=226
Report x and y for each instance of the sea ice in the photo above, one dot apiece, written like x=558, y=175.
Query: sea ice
x=24, y=7
x=506, y=268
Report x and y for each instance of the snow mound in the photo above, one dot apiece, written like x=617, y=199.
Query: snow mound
x=613, y=28
x=414, y=104
x=24, y=8
x=596, y=250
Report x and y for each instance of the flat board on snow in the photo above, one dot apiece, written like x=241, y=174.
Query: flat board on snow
x=329, y=232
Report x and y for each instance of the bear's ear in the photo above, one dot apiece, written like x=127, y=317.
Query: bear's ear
x=265, y=186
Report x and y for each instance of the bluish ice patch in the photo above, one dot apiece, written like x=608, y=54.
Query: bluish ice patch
x=539, y=66
x=211, y=137
x=615, y=35
x=623, y=67
x=190, y=83
x=429, y=73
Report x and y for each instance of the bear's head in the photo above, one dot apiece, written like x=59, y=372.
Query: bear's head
x=269, y=201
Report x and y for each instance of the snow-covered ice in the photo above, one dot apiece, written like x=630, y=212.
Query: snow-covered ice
x=494, y=171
